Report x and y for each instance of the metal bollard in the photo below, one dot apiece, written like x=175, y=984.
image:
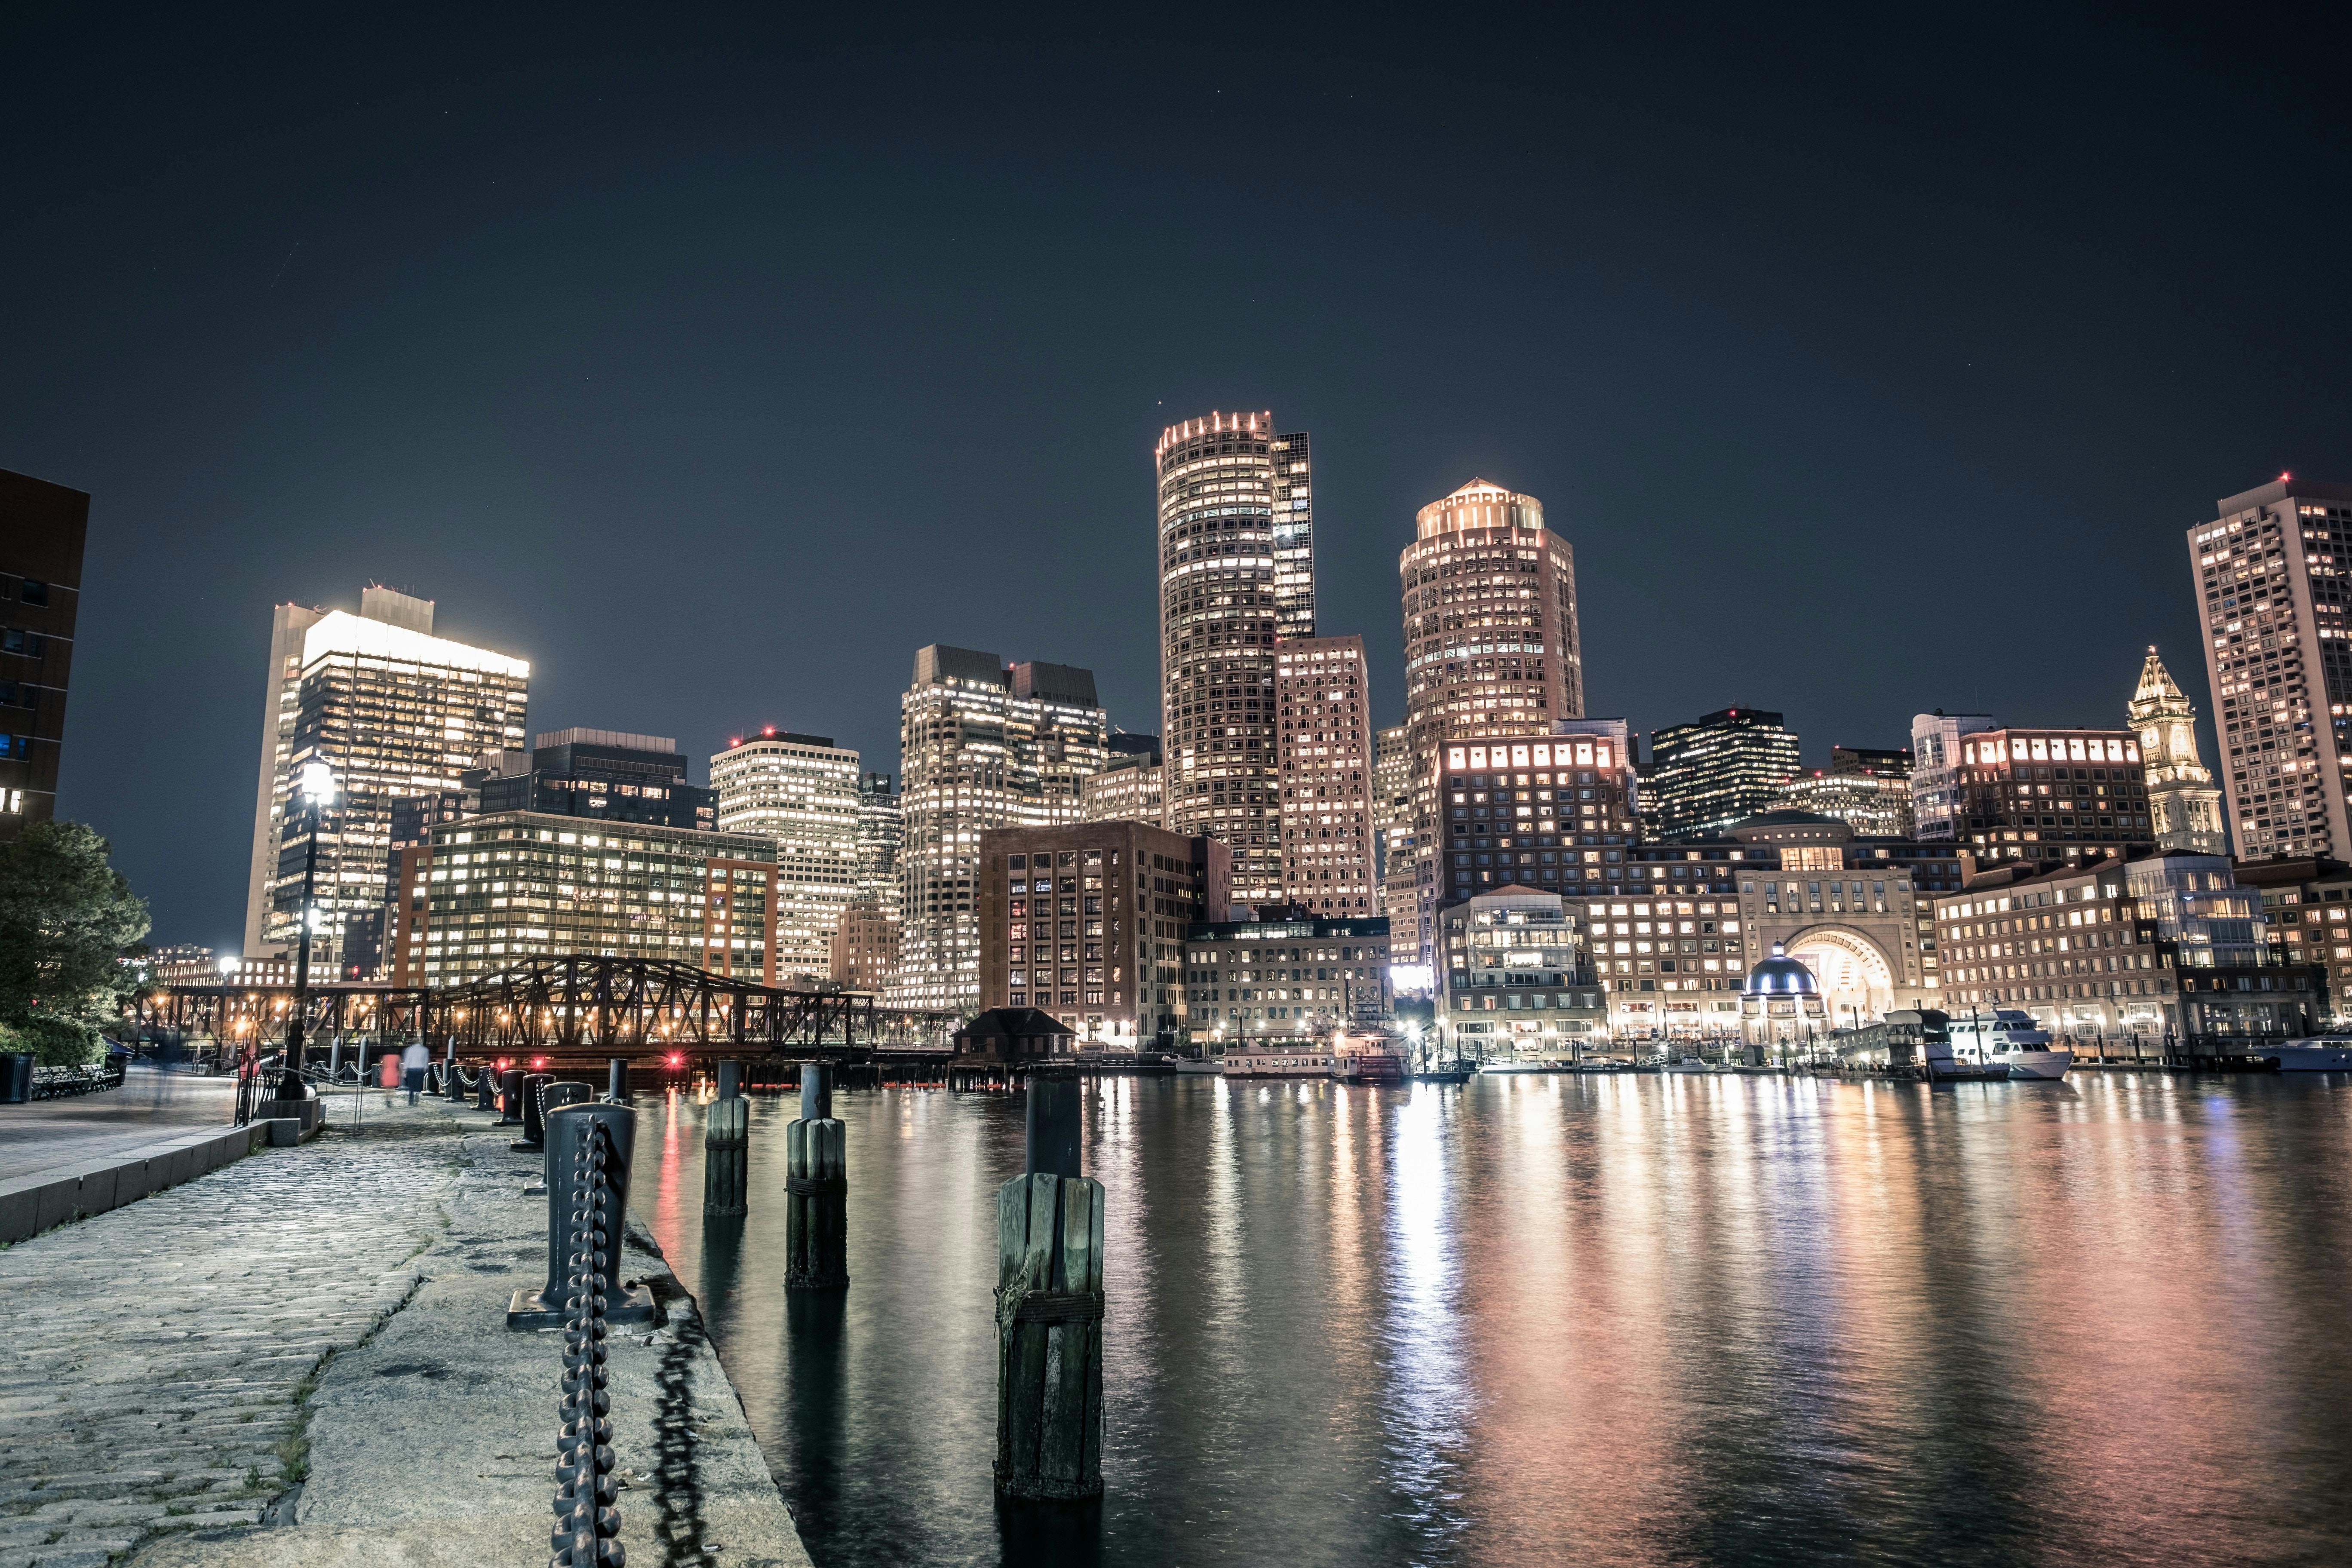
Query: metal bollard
x=534, y=1132
x=616, y=1080
x=1049, y=1310
x=568, y=1128
x=510, y=1098
x=556, y=1097
x=485, y=1088
x=588, y=1525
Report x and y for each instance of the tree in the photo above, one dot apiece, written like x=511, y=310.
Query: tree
x=68, y=917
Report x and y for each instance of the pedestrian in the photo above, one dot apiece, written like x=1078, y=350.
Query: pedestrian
x=412, y=1062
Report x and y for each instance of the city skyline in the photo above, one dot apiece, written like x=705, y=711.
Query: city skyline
x=748, y=354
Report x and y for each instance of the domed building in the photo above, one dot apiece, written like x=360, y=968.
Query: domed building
x=1781, y=1002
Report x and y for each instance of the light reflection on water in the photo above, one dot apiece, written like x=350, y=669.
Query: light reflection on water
x=1623, y=1320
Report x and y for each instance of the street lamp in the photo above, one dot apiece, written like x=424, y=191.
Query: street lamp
x=318, y=787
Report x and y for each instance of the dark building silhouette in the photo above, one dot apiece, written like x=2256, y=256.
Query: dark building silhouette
x=41, y=530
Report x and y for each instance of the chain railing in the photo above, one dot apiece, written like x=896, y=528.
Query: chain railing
x=588, y=1525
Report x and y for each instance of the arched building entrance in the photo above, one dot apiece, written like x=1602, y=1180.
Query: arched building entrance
x=1856, y=974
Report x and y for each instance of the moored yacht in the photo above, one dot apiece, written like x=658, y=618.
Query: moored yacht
x=2006, y=1038
x=2316, y=1053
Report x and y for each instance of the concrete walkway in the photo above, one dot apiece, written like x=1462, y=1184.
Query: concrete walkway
x=151, y=1106
x=301, y=1359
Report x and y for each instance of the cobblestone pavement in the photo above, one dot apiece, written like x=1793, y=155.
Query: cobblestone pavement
x=157, y=1356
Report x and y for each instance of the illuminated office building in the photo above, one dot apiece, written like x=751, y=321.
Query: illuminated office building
x=982, y=747
x=801, y=792
x=1326, y=749
x=1491, y=649
x=1236, y=572
x=1720, y=769
x=1130, y=788
x=1392, y=792
x=395, y=713
x=1935, y=770
x=2023, y=794
x=881, y=832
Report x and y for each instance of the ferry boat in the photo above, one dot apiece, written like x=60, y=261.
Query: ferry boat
x=1304, y=1060
x=1366, y=1058
x=2316, y=1052
x=2006, y=1038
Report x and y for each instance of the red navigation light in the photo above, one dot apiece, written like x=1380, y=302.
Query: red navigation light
x=734, y=740
x=676, y=1059
x=769, y=730
x=539, y=1061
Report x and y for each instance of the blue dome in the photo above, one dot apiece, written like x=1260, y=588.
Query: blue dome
x=1781, y=975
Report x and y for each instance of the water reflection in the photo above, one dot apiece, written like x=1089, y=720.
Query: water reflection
x=1652, y=1319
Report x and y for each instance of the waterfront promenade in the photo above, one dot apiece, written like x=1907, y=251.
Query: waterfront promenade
x=301, y=1359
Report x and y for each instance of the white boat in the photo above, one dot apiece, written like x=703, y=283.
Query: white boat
x=1689, y=1064
x=1210, y=1065
x=2006, y=1038
x=2319, y=1053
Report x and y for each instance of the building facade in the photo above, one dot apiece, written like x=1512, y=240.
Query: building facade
x=2269, y=572
x=1088, y=923
x=1132, y=788
x=42, y=530
x=881, y=834
x=1935, y=767
x=606, y=775
x=393, y=712
x=1873, y=806
x=2050, y=795
x=1720, y=769
x=1550, y=814
x=864, y=946
x=802, y=793
x=2307, y=919
x=982, y=747
x=1515, y=982
x=494, y=890
x=2183, y=802
x=1293, y=488
x=1327, y=825
x=1856, y=912
x=1491, y=644
x=1294, y=976
x=1223, y=604
x=2163, y=953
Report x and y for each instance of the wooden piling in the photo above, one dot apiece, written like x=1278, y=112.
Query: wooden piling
x=816, y=1191
x=1049, y=1310
x=726, y=1141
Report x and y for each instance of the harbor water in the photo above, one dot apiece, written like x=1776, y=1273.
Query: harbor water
x=1537, y=1320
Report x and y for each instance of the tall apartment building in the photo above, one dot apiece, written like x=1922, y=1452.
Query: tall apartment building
x=1720, y=769
x=2183, y=801
x=2050, y=795
x=802, y=792
x=1491, y=649
x=881, y=832
x=1087, y=923
x=982, y=746
x=1233, y=576
x=1935, y=770
x=1329, y=828
x=2272, y=570
x=42, y=527
x=1393, y=794
x=485, y=892
x=394, y=712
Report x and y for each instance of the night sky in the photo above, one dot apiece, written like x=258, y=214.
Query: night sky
x=715, y=365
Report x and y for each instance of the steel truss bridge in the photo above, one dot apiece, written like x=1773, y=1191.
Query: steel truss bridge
x=577, y=1003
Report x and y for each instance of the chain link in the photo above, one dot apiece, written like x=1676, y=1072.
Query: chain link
x=587, y=1523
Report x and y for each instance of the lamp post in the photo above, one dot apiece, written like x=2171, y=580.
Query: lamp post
x=318, y=788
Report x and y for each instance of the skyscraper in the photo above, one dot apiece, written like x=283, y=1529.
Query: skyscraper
x=1232, y=580
x=801, y=791
x=1491, y=645
x=394, y=712
x=2182, y=800
x=881, y=831
x=1326, y=751
x=1720, y=769
x=982, y=746
x=42, y=527
x=1393, y=808
x=2275, y=571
